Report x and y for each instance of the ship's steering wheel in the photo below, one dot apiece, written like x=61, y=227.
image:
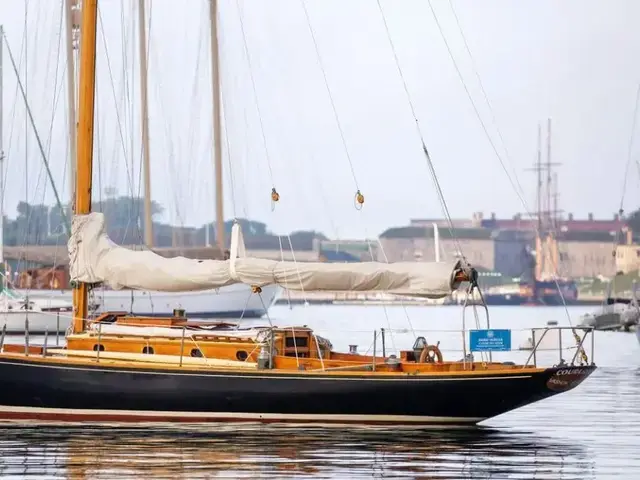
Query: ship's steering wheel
x=431, y=354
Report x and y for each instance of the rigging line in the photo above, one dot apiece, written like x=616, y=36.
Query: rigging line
x=171, y=160
x=495, y=150
x=119, y=120
x=255, y=92
x=176, y=193
x=295, y=263
x=29, y=118
x=402, y=304
x=26, y=135
x=57, y=92
x=129, y=111
x=286, y=283
x=384, y=306
x=115, y=99
x=244, y=163
x=326, y=83
x=56, y=96
x=229, y=163
x=395, y=56
x=515, y=184
x=323, y=195
x=484, y=93
x=37, y=41
x=13, y=122
x=176, y=219
x=630, y=150
x=616, y=239
x=193, y=119
x=443, y=204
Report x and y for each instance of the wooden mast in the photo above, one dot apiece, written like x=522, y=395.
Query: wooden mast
x=84, y=160
x=217, y=137
x=146, y=165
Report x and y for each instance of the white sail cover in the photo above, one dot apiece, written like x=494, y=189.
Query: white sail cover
x=94, y=258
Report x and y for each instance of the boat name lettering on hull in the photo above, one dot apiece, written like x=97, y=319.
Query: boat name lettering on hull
x=571, y=371
x=567, y=378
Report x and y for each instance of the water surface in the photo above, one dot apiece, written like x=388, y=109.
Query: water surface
x=592, y=432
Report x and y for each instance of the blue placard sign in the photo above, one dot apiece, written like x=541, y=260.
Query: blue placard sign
x=490, y=340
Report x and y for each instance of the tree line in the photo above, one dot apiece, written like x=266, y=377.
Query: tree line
x=45, y=225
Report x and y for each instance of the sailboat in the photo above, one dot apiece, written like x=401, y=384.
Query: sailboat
x=540, y=284
x=18, y=310
x=232, y=301
x=119, y=367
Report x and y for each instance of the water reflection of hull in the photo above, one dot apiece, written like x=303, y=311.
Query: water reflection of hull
x=284, y=452
x=105, y=393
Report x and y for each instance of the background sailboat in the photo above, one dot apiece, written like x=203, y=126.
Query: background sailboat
x=16, y=309
x=231, y=301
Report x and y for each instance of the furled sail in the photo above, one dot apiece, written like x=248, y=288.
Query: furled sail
x=94, y=258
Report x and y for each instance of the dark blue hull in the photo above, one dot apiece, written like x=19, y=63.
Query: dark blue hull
x=45, y=390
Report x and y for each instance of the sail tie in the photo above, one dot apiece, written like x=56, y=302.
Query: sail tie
x=237, y=250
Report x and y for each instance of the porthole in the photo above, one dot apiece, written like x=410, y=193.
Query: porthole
x=241, y=355
x=148, y=350
x=195, y=352
x=95, y=348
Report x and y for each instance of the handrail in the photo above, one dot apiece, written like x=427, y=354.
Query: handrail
x=579, y=346
x=192, y=335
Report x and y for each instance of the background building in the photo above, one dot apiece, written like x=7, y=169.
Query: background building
x=585, y=247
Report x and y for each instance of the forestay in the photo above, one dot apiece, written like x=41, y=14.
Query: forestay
x=94, y=258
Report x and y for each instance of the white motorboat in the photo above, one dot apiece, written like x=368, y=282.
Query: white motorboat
x=617, y=314
x=18, y=315
x=50, y=310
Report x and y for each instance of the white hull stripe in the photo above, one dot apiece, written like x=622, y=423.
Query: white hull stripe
x=80, y=415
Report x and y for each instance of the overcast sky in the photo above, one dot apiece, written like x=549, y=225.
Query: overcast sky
x=575, y=61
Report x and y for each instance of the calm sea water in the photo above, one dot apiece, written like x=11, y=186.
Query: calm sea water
x=590, y=432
